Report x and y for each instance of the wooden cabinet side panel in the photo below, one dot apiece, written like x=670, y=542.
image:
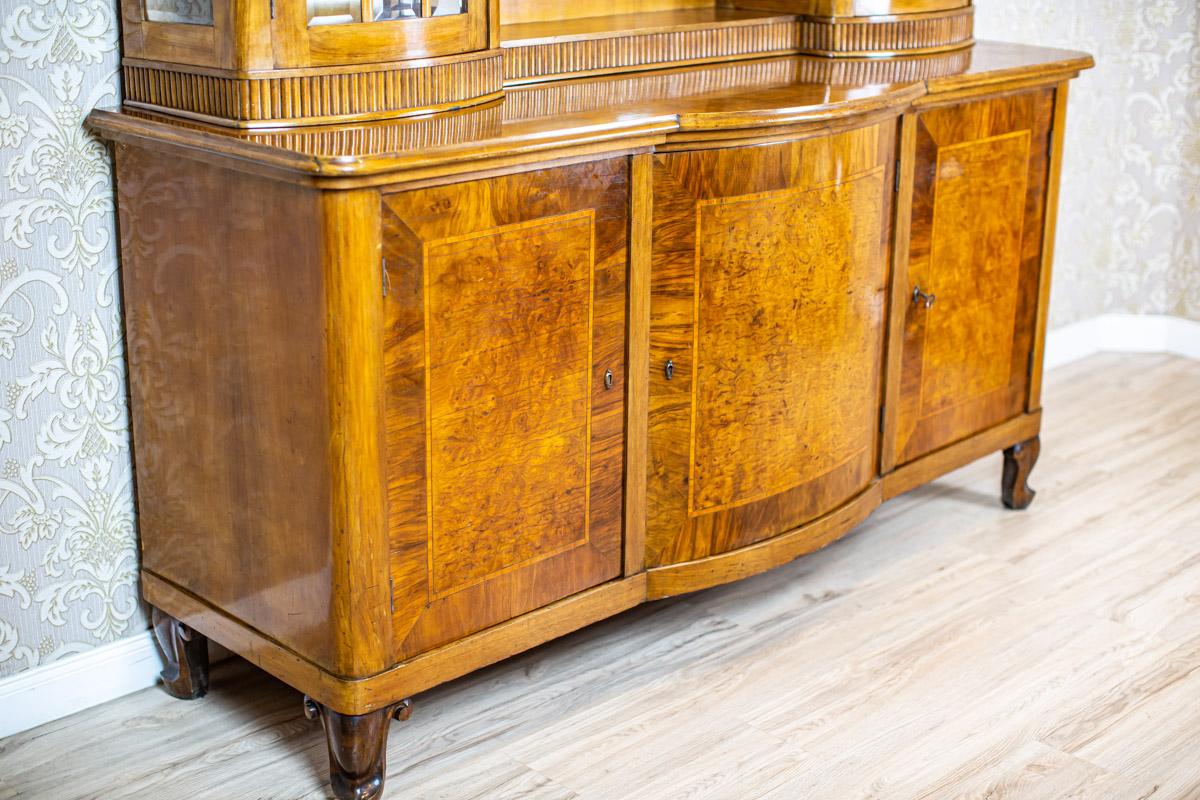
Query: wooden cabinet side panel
x=224, y=308
x=1057, y=134
x=768, y=283
x=977, y=221
x=506, y=313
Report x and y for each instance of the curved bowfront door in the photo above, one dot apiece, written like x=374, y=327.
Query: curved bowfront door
x=769, y=277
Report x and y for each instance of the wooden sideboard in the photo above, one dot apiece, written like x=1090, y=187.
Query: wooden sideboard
x=411, y=395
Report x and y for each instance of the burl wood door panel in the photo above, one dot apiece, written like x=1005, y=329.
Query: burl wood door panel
x=768, y=281
x=505, y=317
x=976, y=242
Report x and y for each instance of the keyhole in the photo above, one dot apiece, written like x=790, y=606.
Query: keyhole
x=670, y=369
x=608, y=379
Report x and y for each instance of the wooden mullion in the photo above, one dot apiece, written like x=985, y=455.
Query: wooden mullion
x=898, y=304
x=637, y=359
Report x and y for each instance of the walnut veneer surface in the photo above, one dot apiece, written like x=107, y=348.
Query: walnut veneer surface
x=946, y=649
x=446, y=388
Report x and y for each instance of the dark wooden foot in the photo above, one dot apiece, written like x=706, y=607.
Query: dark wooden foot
x=357, y=747
x=186, y=654
x=1018, y=463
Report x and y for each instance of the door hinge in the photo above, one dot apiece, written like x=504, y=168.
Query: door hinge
x=392, y=593
x=882, y=416
x=896, y=178
x=272, y=9
x=1029, y=366
x=387, y=281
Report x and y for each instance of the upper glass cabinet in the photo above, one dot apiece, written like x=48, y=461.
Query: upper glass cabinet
x=340, y=12
x=278, y=63
x=188, y=12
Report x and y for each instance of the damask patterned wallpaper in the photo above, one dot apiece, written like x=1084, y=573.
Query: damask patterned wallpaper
x=1129, y=215
x=68, y=556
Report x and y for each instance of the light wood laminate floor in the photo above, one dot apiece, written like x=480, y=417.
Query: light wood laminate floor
x=947, y=649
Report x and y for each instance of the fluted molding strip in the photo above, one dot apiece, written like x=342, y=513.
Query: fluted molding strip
x=283, y=100
x=629, y=51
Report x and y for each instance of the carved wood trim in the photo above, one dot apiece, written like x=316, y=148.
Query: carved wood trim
x=280, y=99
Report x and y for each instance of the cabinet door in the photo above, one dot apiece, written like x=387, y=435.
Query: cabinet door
x=505, y=395
x=978, y=204
x=320, y=33
x=768, y=279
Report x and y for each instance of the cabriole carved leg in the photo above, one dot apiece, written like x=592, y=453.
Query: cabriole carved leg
x=1018, y=463
x=357, y=747
x=186, y=654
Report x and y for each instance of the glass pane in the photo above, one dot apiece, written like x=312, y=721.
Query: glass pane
x=411, y=9
x=395, y=9
x=189, y=12
x=334, y=12
x=444, y=8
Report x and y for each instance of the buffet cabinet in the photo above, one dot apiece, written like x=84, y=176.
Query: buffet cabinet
x=412, y=395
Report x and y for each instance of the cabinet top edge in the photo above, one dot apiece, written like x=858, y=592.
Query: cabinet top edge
x=741, y=99
x=999, y=62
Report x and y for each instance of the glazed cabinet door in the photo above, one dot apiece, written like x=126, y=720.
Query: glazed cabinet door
x=505, y=393
x=768, y=285
x=970, y=297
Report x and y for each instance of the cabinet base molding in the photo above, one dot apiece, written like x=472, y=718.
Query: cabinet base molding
x=704, y=573
x=959, y=454
x=357, y=696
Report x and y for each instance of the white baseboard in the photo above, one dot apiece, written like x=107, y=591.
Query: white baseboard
x=60, y=688
x=1122, y=333
x=41, y=695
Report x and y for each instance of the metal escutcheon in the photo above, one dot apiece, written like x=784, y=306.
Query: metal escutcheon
x=670, y=369
x=608, y=379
